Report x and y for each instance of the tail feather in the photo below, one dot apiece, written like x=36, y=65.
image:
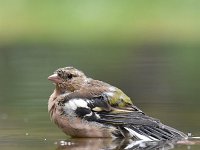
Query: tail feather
x=138, y=135
x=175, y=132
x=161, y=133
x=153, y=133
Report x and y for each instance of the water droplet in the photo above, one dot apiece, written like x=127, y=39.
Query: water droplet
x=69, y=143
x=62, y=143
x=188, y=147
x=189, y=134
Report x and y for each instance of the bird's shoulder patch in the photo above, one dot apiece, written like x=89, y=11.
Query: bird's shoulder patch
x=117, y=98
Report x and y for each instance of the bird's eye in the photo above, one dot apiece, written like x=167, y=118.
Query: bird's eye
x=69, y=76
x=60, y=73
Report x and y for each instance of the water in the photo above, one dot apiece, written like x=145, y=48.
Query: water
x=54, y=142
x=163, y=83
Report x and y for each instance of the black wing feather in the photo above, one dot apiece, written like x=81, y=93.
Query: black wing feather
x=142, y=124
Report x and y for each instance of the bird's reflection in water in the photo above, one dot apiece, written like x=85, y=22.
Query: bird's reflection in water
x=109, y=144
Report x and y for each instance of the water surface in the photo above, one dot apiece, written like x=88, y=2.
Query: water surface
x=161, y=83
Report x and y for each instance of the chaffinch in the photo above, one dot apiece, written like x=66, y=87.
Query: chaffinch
x=84, y=107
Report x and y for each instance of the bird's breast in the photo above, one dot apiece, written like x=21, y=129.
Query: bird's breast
x=77, y=127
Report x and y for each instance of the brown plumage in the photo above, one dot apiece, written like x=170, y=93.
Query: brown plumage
x=65, y=88
x=84, y=107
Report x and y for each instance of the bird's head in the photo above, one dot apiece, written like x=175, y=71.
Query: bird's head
x=68, y=79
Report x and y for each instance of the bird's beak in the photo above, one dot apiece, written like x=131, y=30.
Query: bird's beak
x=55, y=78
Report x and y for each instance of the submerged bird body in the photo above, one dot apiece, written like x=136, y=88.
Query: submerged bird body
x=84, y=107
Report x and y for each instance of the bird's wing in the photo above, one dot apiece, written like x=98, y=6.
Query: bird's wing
x=101, y=100
x=99, y=107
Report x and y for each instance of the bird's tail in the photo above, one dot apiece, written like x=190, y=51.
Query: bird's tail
x=155, y=133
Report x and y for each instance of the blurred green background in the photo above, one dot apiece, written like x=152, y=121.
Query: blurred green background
x=149, y=49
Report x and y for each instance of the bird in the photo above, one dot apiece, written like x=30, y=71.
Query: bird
x=84, y=107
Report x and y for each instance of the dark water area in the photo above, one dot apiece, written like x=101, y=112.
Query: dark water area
x=163, y=81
